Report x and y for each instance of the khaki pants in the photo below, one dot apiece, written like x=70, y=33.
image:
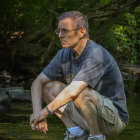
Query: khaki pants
x=108, y=117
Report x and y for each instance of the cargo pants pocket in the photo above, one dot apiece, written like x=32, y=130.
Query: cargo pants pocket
x=108, y=117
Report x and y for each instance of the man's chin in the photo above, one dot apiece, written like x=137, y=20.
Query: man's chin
x=65, y=46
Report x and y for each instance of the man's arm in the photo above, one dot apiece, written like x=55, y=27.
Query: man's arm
x=36, y=92
x=66, y=95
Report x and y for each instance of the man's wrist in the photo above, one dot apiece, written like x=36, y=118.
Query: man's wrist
x=49, y=112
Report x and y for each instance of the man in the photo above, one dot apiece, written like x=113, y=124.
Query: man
x=93, y=104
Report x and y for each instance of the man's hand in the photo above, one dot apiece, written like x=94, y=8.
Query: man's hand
x=32, y=119
x=42, y=126
x=35, y=119
x=39, y=124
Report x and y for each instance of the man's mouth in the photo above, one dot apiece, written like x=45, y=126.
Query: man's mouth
x=63, y=41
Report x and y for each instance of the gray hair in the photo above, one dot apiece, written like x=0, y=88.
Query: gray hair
x=80, y=20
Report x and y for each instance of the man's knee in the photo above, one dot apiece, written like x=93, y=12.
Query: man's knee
x=51, y=90
x=86, y=96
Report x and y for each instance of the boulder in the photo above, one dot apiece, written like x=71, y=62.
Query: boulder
x=19, y=94
x=14, y=94
x=4, y=97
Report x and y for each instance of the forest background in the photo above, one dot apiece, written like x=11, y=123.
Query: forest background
x=27, y=31
x=28, y=42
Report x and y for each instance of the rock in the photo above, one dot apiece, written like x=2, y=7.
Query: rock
x=5, y=78
x=4, y=97
x=21, y=97
x=134, y=69
x=14, y=94
x=19, y=94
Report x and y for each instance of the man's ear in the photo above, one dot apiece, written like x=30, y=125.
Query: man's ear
x=82, y=32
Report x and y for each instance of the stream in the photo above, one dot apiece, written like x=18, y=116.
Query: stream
x=14, y=119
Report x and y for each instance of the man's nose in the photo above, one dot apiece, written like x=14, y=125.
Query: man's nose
x=60, y=34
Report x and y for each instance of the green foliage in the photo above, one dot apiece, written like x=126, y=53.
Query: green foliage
x=27, y=30
x=105, y=2
x=122, y=39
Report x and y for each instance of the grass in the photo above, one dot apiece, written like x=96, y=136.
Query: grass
x=14, y=124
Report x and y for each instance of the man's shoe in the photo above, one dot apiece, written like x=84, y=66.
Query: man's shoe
x=93, y=138
x=69, y=136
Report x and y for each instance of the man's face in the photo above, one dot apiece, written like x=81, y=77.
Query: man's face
x=68, y=34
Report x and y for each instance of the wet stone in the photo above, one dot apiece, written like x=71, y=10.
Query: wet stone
x=14, y=93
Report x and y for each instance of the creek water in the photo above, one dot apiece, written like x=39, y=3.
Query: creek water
x=14, y=119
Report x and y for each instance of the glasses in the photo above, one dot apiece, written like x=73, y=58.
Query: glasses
x=63, y=31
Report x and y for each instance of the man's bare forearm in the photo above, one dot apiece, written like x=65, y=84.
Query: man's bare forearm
x=67, y=94
x=36, y=92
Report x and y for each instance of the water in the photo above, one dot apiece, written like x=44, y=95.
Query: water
x=14, y=120
x=14, y=124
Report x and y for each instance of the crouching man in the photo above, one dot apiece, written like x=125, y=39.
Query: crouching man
x=92, y=105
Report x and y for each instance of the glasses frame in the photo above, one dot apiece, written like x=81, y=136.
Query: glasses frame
x=64, y=31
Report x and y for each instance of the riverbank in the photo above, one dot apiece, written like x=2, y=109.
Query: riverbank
x=14, y=123
x=15, y=113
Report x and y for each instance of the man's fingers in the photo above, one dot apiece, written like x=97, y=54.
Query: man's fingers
x=32, y=125
x=39, y=125
x=36, y=118
x=35, y=125
x=32, y=118
x=31, y=122
x=44, y=131
x=37, y=121
x=45, y=126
